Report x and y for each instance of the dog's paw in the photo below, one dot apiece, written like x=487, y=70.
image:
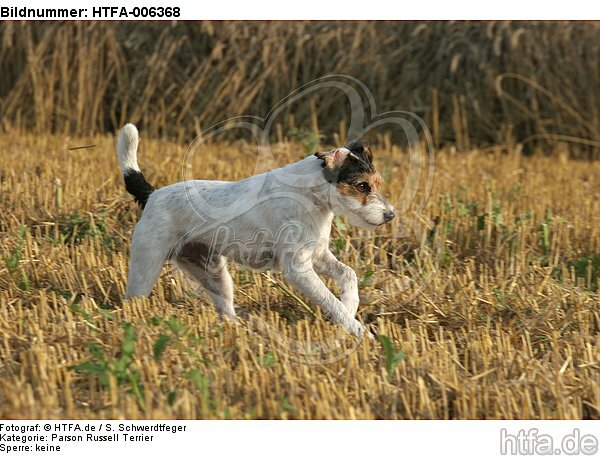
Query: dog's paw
x=234, y=320
x=359, y=330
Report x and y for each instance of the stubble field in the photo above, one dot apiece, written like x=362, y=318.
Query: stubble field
x=491, y=311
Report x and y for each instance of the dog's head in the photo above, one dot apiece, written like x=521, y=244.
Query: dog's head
x=356, y=184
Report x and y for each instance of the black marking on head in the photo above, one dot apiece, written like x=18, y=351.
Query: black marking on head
x=137, y=185
x=358, y=164
x=361, y=149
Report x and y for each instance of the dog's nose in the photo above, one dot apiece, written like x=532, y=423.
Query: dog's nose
x=388, y=215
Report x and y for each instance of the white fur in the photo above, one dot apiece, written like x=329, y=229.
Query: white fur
x=368, y=216
x=127, y=144
x=277, y=220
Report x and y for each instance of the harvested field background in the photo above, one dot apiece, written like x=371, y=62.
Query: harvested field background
x=507, y=327
x=475, y=83
x=491, y=310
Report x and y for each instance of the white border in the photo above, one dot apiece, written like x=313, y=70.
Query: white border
x=276, y=438
x=350, y=9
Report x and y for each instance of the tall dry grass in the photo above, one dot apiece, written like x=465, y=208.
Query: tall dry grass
x=475, y=83
x=507, y=326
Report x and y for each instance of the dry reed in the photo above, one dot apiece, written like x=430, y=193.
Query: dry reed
x=476, y=83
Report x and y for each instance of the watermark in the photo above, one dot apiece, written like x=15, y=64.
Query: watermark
x=533, y=442
x=237, y=223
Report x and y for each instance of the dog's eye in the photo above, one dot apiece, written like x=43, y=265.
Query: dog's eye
x=364, y=187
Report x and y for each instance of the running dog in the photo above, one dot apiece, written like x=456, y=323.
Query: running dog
x=279, y=220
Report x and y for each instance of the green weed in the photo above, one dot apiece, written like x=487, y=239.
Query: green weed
x=120, y=366
x=392, y=356
x=310, y=139
x=13, y=262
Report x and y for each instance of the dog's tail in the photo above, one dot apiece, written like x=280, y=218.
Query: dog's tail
x=135, y=182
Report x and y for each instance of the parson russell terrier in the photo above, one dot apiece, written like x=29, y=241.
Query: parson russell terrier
x=277, y=220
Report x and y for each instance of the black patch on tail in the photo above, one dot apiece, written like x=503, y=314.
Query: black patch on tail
x=137, y=185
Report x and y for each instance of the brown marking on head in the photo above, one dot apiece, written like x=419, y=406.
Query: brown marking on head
x=351, y=191
x=352, y=165
x=375, y=180
x=363, y=187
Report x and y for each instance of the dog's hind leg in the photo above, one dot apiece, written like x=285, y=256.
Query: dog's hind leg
x=211, y=273
x=149, y=250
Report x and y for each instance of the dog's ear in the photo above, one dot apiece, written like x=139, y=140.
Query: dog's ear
x=333, y=158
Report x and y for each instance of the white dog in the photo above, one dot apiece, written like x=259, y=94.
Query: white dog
x=277, y=220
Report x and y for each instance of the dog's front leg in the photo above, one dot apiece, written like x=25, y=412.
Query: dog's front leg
x=344, y=277
x=306, y=281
